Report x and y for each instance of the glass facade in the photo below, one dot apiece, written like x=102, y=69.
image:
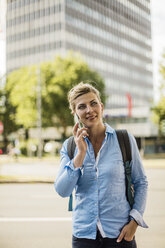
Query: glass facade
x=35, y=31
x=114, y=38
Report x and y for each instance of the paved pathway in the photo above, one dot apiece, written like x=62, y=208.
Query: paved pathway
x=33, y=215
x=25, y=170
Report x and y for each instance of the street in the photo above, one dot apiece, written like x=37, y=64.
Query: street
x=33, y=215
x=33, y=206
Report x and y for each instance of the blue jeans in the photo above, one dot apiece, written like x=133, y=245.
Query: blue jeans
x=100, y=242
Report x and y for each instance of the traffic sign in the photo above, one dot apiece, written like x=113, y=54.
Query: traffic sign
x=1, y=127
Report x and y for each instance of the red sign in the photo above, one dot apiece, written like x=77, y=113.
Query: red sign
x=129, y=104
x=1, y=127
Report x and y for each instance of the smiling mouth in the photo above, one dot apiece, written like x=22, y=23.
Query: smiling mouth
x=91, y=117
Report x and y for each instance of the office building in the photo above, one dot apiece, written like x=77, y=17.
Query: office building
x=114, y=37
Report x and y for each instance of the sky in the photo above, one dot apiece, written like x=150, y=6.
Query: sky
x=158, y=39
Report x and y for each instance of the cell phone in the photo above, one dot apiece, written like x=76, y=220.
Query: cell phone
x=80, y=125
x=76, y=119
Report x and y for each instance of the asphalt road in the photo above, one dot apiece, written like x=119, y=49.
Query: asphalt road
x=34, y=216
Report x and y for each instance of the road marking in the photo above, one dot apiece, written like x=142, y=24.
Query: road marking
x=44, y=196
x=34, y=219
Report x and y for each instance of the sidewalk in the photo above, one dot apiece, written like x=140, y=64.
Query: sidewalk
x=34, y=170
x=154, y=163
x=28, y=170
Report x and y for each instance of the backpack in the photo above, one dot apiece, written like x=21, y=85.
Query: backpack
x=125, y=148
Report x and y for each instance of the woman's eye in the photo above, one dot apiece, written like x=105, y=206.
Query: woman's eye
x=94, y=103
x=81, y=107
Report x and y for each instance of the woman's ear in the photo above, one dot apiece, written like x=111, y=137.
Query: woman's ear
x=102, y=106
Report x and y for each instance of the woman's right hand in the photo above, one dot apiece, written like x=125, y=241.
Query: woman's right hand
x=80, y=143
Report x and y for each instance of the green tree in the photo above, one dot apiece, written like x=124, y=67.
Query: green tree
x=57, y=78
x=7, y=116
x=159, y=108
x=21, y=87
x=67, y=72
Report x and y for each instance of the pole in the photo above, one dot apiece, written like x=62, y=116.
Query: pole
x=39, y=118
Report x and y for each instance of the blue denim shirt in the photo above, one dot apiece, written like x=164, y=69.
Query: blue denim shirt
x=100, y=188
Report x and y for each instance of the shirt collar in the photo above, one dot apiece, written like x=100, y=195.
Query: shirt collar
x=109, y=129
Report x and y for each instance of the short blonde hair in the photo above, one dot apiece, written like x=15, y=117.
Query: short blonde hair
x=79, y=90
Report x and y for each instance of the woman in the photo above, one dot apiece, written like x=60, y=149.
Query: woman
x=102, y=216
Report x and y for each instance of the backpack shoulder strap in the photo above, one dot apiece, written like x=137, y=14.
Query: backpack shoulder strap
x=71, y=146
x=125, y=148
x=124, y=143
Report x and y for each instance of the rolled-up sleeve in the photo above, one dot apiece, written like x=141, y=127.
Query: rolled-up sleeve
x=139, y=180
x=138, y=218
x=68, y=175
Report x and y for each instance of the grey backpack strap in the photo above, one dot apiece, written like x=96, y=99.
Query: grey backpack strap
x=125, y=147
x=71, y=146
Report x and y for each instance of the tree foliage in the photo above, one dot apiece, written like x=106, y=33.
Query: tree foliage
x=21, y=87
x=159, y=108
x=7, y=116
x=57, y=78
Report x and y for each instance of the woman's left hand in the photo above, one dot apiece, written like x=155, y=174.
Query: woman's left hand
x=128, y=231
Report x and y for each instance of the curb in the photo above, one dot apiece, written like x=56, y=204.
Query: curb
x=23, y=181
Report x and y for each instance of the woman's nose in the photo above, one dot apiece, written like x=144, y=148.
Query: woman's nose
x=89, y=108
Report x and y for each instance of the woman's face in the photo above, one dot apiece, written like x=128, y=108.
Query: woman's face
x=89, y=109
